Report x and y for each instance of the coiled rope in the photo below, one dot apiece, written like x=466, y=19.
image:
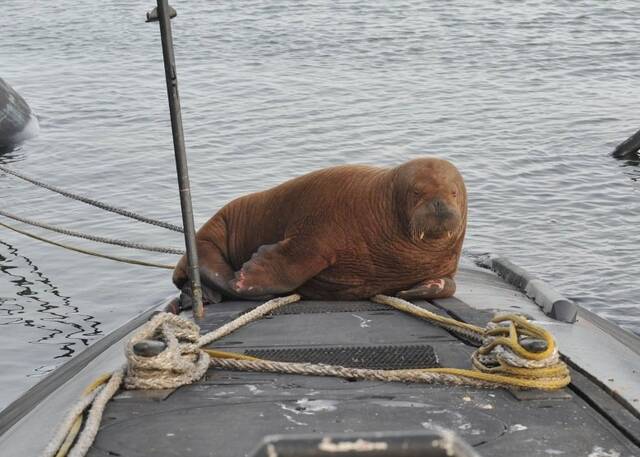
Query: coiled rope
x=99, y=239
x=92, y=202
x=500, y=361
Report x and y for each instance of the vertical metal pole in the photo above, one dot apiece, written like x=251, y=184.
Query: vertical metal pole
x=181, y=156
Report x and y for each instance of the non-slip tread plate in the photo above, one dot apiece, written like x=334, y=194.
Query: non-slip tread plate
x=373, y=357
x=329, y=307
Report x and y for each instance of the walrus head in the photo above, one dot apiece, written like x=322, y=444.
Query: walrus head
x=431, y=198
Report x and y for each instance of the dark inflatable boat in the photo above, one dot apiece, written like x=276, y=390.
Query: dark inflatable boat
x=17, y=121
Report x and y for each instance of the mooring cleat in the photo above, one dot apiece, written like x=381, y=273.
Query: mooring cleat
x=149, y=348
x=533, y=344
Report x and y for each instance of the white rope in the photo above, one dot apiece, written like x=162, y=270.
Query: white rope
x=243, y=320
x=182, y=362
x=90, y=430
x=414, y=375
x=66, y=424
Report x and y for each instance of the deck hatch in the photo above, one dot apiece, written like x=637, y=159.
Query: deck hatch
x=374, y=357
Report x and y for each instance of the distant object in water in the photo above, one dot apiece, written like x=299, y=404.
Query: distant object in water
x=17, y=121
x=628, y=149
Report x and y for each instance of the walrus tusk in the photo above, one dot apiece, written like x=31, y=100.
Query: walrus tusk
x=421, y=235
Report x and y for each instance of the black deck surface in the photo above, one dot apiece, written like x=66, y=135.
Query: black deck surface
x=229, y=413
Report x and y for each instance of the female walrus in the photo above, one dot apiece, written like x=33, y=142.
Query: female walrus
x=342, y=233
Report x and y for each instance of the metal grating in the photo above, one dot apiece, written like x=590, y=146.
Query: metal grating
x=374, y=357
x=329, y=307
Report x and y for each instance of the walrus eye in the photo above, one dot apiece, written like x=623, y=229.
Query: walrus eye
x=454, y=193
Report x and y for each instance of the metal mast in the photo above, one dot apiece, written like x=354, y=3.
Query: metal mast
x=163, y=13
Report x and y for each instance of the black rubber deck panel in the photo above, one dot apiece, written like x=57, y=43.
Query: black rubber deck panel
x=329, y=307
x=373, y=357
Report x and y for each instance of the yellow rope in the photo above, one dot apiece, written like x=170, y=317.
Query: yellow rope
x=528, y=382
x=228, y=355
x=96, y=383
x=410, y=308
x=70, y=438
x=508, y=336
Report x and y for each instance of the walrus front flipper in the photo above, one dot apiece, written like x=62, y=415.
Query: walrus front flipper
x=215, y=274
x=279, y=268
x=430, y=289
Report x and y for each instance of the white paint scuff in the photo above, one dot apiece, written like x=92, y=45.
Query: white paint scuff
x=293, y=421
x=254, y=389
x=364, y=323
x=517, y=428
x=313, y=406
x=310, y=407
x=597, y=451
x=359, y=445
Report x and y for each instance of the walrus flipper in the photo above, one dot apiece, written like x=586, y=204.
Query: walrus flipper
x=279, y=268
x=215, y=274
x=430, y=289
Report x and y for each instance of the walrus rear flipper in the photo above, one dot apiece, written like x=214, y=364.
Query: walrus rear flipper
x=279, y=268
x=430, y=289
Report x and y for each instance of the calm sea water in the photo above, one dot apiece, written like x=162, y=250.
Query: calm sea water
x=526, y=99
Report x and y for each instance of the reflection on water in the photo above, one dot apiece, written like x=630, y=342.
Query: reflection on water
x=10, y=154
x=30, y=300
x=631, y=168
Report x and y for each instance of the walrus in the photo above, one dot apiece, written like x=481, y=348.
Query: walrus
x=341, y=233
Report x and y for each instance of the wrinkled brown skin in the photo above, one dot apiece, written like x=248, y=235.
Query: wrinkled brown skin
x=341, y=233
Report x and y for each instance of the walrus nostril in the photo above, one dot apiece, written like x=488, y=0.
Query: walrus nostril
x=439, y=206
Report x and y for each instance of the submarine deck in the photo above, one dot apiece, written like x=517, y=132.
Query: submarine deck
x=229, y=413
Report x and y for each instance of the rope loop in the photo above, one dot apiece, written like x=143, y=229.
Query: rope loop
x=501, y=360
x=507, y=330
x=503, y=354
x=181, y=362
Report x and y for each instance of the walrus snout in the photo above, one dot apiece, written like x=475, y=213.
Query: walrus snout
x=440, y=208
x=434, y=219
